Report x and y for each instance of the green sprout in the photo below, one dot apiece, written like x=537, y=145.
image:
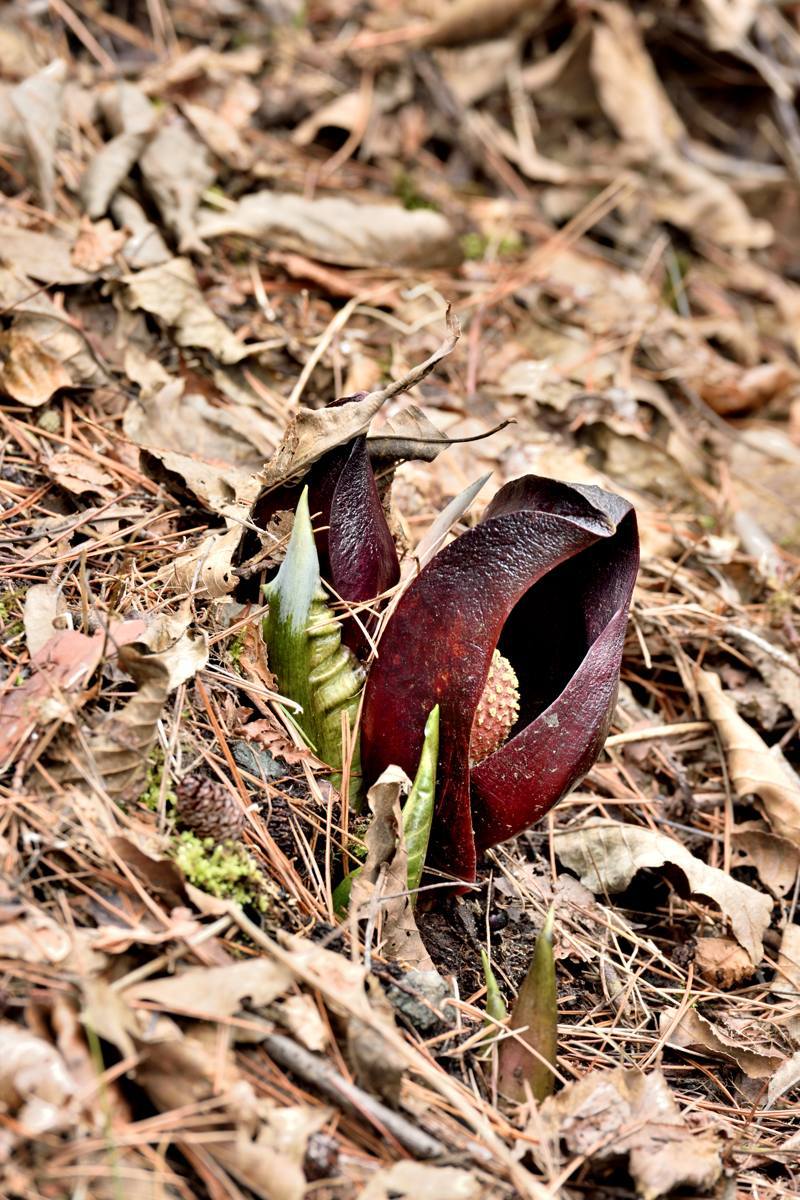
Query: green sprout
x=408, y=194
x=236, y=650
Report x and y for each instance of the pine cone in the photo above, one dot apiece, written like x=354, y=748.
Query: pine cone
x=208, y=809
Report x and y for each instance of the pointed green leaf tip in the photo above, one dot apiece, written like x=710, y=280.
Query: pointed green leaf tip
x=495, y=1004
x=418, y=808
x=525, y=1061
x=496, y=1010
x=304, y=646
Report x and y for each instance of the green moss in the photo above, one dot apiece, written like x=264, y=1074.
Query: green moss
x=235, y=650
x=225, y=870
x=10, y=611
x=409, y=196
x=780, y=604
x=49, y=420
x=152, y=788
x=476, y=246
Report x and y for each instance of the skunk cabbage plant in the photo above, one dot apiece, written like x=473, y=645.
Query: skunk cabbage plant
x=515, y=630
x=517, y=624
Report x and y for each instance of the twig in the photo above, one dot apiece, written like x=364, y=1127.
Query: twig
x=318, y=1072
x=657, y=731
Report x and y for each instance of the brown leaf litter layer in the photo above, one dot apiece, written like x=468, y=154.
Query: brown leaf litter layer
x=214, y=220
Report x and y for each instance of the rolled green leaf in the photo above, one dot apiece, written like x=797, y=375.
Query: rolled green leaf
x=304, y=646
x=418, y=808
x=496, y=1010
x=525, y=1061
x=341, y=893
x=495, y=1004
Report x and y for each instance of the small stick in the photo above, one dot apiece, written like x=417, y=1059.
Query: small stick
x=318, y=1072
x=657, y=731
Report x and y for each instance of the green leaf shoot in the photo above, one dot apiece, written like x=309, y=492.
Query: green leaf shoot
x=418, y=808
x=526, y=1061
x=304, y=646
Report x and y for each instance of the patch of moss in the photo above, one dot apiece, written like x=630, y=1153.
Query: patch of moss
x=407, y=193
x=780, y=604
x=235, y=650
x=152, y=788
x=476, y=246
x=225, y=869
x=10, y=611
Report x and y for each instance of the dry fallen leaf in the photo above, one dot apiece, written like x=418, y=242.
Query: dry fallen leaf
x=170, y=291
x=422, y=1181
x=213, y=450
x=787, y=978
x=776, y=859
x=181, y=649
x=45, y=324
x=44, y=603
x=382, y=883
x=733, y=390
x=478, y=20
x=131, y=118
x=271, y=1164
x=300, y=1015
x=629, y=89
x=160, y=876
x=620, y=1112
x=219, y=135
x=42, y=256
x=78, y=474
x=607, y=854
x=633, y=97
x=145, y=246
x=339, y=231
x=209, y=565
x=58, y=669
x=727, y=23
x=177, y=170
x=765, y=465
x=214, y=993
x=785, y=1079
x=35, y=1086
x=96, y=246
x=311, y=433
x=28, y=373
x=694, y=1032
x=32, y=936
x=722, y=962
x=753, y=769
x=354, y=996
x=37, y=102
x=266, y=1146
x=114, y=756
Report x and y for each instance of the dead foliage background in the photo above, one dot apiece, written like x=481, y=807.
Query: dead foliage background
x=215, y=215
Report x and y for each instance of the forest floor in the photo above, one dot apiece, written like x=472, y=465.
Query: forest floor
x=605, y=194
